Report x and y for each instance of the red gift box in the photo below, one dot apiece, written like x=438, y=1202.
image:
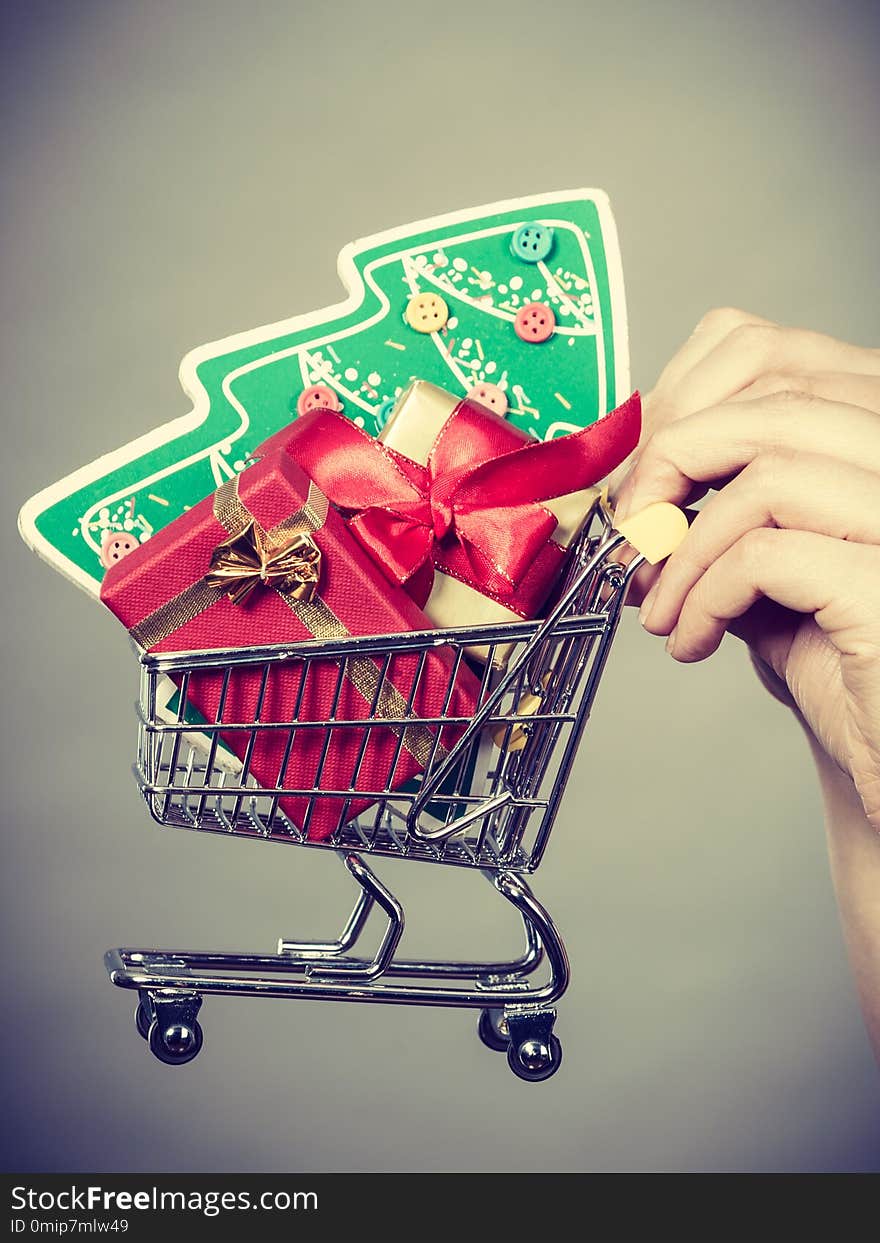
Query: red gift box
x=475, y=510
x=269, y=538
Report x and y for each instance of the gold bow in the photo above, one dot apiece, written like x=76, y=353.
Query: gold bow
x=291, y=564
x=287, y=559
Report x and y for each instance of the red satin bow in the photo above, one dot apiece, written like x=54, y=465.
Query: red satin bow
x=475, y=509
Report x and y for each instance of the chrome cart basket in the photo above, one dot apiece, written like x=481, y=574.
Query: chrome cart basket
x=488, y=801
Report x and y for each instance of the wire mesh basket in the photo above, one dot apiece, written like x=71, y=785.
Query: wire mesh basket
x=487, y=798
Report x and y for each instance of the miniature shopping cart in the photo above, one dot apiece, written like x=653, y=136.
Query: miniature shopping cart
x=488, y=802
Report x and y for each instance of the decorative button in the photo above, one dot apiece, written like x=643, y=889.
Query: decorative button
x=426, y=312
x=383, y=414
x=115, y=545
x=534, y=322
x=532, y=242
x=489, y=395
x=317, y=397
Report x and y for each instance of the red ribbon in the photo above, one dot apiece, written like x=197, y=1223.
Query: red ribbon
x=474, y=510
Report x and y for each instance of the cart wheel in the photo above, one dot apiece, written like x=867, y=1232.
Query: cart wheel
x=488, y=1029
x=143, y=1020
x=534, y=1060
x=176, y=1044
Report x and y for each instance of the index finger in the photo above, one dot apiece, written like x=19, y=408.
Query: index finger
x=715, y=327
x=716, y=443
x=752, y=349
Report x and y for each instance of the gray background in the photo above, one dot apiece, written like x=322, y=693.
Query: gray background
x=177, y=172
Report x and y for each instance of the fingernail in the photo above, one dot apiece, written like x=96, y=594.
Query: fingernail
x=632, y=504
x=621, y=493
x=670, y=644
x=648, y=604
x=624, y=500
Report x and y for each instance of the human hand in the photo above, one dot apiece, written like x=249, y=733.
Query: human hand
x=786, y=424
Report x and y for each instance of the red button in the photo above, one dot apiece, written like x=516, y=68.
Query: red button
x=491, y=396
x=317, y=397
x=534, y=322
x=115, y=545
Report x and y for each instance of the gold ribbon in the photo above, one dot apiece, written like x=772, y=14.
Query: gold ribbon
x=281, y=559
x=248, y=559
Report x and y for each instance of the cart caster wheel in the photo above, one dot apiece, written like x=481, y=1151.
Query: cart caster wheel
x=143, y=1021
x=489, y=1032
x=534, y=1060
x=176, y=1044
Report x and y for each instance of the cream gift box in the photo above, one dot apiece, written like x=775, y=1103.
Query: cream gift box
x=420, y=415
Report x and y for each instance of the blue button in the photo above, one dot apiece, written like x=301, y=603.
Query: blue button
x=383, y=414
x=532, y=242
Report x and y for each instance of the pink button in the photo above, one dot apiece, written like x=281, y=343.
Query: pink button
x=317, y=397
x=489, y=395
x=115, y=545
x=534, y=322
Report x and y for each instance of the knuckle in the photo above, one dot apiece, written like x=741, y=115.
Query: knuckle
x=794, y=394
x=755, y=546
x=722, y=319
x=755, y=340
x=781, y=384
x=766, y=466
x=760, y=468
x=761, y=389
x=662, y=443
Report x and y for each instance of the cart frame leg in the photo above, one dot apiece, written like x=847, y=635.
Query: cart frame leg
x=371, y=891
x=322, y=970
